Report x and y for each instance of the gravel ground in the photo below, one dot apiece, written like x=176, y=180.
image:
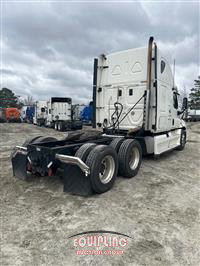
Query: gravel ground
x=159, y=209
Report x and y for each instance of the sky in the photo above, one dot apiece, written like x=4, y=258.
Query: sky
x=48, y=48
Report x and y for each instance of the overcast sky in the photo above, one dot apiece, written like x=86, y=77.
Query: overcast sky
x=48, y=48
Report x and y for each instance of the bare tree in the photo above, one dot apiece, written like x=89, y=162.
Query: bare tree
x=29, y=100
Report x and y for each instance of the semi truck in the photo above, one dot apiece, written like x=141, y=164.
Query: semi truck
x=23, y=113
x=77, y=110
x=60, y=114
x=86, y=114
x=12, y=115
x=135, y=113
x=40, y=114
x=30, y=111
x=27, y=113
x=193, y=115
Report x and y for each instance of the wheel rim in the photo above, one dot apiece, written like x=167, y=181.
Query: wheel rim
x=55, y=126
x=107, y=169
x=134, y=158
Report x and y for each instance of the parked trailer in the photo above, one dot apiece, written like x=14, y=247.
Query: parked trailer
x=30, y=111
x=134, y=104
x=86, y=114
x=60, y=114
x=193, y=115
x=40, y=114
x=12, y=115
x=77, y=110
x=27, y=113
x=23, y=113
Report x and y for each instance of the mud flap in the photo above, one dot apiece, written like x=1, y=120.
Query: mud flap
x=75, y=181
x=19, y=161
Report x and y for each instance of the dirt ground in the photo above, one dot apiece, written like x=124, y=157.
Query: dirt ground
x=159, y=209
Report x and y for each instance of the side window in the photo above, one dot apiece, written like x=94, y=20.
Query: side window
x=49, y=111
x=175, y=100
x=119, y=93
x=130, y=92
x=162, y=66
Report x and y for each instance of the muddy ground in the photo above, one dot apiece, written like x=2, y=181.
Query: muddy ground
x=159, y=209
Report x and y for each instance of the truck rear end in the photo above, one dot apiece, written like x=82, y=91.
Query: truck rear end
x=12, y=115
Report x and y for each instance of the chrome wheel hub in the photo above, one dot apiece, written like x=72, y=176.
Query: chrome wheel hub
x=107, y=169
x=134, y=158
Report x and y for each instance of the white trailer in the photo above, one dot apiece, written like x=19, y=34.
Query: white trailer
x=193, y=115
x=40, y=114
x=23, y=113
x=77, y=109
x=59, y=114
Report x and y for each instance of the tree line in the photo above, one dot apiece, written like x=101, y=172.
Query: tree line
x=9, y=99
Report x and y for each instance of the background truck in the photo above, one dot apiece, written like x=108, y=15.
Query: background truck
x=193, y=115
x=86, y=114
x=77, y=110
x=40, y=114
x=12, y=114
x=23, y=113
x=60, y=116
x=135, y=109
x=27, y=113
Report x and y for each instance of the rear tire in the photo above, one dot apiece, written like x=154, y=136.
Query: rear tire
x=103, y=163
x=60, y=126
x=84, y=150
x=56, y=125
x=182, y=140
x=130, y=158
x=116, y=143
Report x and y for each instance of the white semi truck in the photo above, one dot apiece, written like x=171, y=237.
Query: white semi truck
x=135, y=95
x=40, y=114
x=135, y=110
x=59, y=114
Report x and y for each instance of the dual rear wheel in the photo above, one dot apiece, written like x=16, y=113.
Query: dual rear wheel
x=58, y=126
x=104, y=161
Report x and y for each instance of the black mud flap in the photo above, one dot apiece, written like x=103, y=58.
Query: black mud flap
x=19, y=161
x=75, y=181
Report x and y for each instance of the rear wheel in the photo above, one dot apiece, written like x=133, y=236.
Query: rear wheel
x=56, y=125
x=84, y=150
x=116, y=143
x=182, y=140
x=60, y=126
x=130, y=158
x=103, y=163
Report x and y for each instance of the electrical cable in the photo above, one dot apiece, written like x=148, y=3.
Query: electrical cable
x=119, y=114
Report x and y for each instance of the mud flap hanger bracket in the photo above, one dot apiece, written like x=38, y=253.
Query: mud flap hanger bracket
x=74, y=161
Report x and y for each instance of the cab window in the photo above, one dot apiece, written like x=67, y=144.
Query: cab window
x=175, y=100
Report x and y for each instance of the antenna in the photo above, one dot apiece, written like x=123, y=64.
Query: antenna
x=174, y=72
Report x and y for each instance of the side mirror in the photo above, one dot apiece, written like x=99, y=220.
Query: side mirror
x=185, y=103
